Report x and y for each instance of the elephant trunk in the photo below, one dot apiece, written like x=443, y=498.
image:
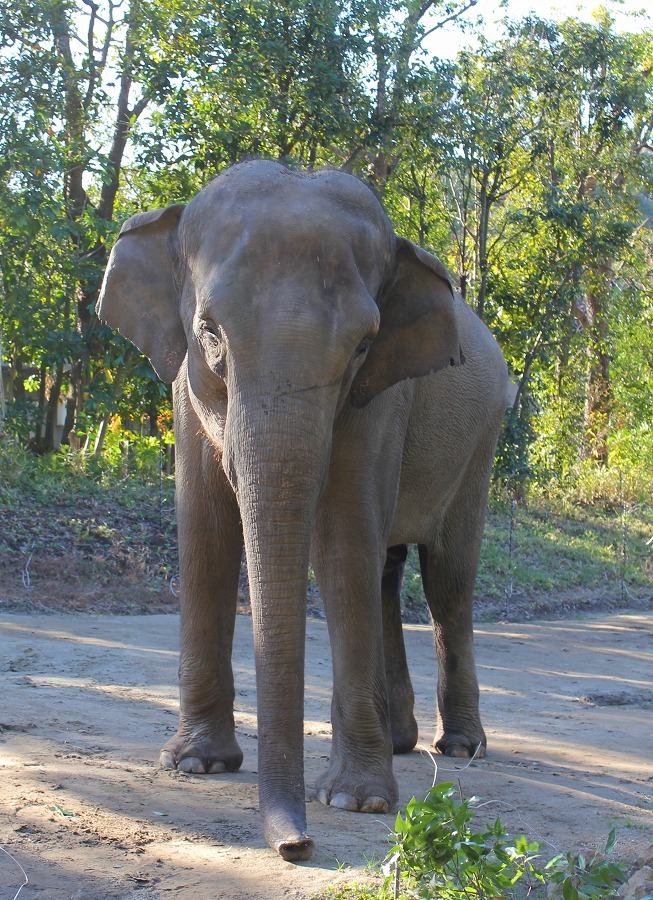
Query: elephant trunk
x=277, y=470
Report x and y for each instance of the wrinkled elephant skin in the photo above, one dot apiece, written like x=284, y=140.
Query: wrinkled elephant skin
x=334, y=401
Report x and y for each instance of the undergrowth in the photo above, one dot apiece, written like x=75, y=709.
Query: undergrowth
x=554, y=555
x=438, y=855
x=560, y=552
x=111, y=521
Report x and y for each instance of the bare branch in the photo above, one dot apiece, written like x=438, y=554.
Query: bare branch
x=452, y=18
x=90, y=45
x=18, y=38
x=139, y=107
x=107, y=38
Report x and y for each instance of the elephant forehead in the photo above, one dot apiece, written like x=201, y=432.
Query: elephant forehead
x=266, y=205
x=303, y=249
x=262, y=179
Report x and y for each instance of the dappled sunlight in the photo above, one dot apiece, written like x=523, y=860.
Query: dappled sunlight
x=617, y=651
x=565, y=707
x=156, y=695
x=127, y=814
x=497, y=690
x=566, y=753
x=44, y=633
x=130, y=831
x=480, y=631
x=79, y=760
x=614, y=680
x=418, y=629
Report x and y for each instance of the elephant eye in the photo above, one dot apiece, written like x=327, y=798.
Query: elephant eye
x=363, y=347
x=209, y=327
x=212, y=343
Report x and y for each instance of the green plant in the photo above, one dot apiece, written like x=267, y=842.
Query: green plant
x=436, y=853
x=573, y=877
x=352, y=891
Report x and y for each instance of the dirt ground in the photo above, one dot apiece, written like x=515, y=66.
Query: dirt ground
x=86, y=702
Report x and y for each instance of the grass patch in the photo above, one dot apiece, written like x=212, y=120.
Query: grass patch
x=112, y=517
x=550, y=557
x=81, y=534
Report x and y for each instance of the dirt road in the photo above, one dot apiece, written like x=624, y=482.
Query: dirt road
x=86, y=702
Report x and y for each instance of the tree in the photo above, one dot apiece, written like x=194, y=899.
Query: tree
x=538, y=167
x=68, y=111
x=598, y=135
x=261, y=79
x=485, y=149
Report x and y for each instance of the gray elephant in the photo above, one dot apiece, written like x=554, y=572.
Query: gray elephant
x=334, y=401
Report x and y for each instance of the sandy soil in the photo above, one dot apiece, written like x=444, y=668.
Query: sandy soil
x=87, y=701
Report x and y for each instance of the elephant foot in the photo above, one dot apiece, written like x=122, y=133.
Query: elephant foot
x=404, y=733
x=451, y=743
x=358, y=793
x=201, y=754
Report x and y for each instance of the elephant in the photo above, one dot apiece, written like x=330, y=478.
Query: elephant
x=335, y=401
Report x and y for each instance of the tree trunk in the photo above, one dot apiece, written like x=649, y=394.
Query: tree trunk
x=101, y=434
x=483, y=226
x=106, y=418
x=85, y=243
x=598, y=402
x=51, y=412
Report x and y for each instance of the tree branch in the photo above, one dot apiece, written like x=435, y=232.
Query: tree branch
x=452, y=18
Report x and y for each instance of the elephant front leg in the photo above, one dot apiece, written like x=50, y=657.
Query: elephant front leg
x=210, y=547
x=359, y=777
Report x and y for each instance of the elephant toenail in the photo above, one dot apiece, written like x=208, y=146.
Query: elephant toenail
x=344, y=801
x=375, y=805
x=217, y=767
x=323, y=797
x=192, y=765
x=457, y=751
x=167, y=760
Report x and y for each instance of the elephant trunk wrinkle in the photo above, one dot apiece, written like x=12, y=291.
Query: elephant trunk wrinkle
x=290, y=391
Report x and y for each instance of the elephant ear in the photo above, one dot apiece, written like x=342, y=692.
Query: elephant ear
x=139, y=296
x=417, y=332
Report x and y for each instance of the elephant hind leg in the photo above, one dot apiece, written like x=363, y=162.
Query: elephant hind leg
x=401, y=698
x=449, y=565
x=448, y=585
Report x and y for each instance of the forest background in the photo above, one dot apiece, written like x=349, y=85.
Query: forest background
x=525, y=163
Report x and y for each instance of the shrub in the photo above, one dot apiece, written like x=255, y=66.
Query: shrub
x=436, y=854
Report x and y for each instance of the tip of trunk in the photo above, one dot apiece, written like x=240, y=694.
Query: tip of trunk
x=296, y=849
x=284, y=825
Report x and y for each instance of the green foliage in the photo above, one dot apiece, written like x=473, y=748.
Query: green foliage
x=522, y=164
x=130, y=462
x=351, y=891
x=437, y=853
x=573, y=877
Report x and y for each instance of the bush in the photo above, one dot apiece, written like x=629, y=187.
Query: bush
x=436, y=854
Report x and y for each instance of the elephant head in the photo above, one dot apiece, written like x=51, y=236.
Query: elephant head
x=290, y=296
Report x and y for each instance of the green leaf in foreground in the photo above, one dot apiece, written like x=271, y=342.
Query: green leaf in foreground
x=436, y=853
